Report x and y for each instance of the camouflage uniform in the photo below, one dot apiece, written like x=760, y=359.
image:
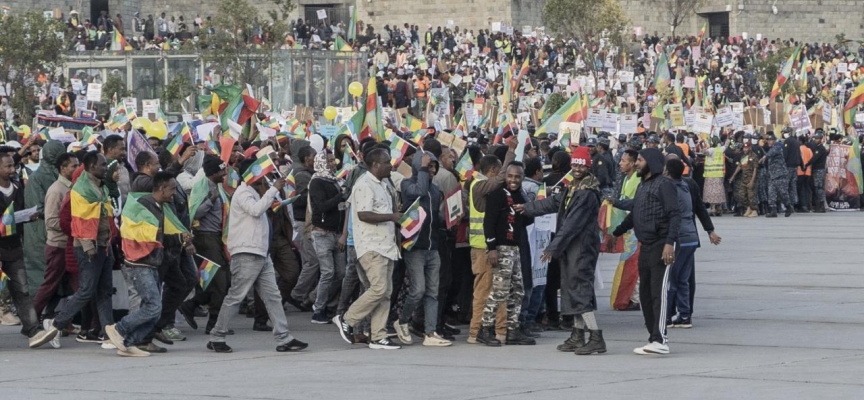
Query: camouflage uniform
x=762, y=178
x=506, y=286
x=778, y=175
x=744, y=195
x=819, y=184
x=792, y=185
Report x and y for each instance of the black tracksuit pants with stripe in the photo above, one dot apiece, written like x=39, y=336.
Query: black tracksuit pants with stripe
x=653, y=281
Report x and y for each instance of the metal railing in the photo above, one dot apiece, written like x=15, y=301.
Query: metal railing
x=311, y=78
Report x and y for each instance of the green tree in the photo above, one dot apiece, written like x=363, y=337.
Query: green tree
x=679, y=11
x=176, y=90
x=114, y=86
x=30, y=46
x=556, y=101
x=589, y=21
x=231, y=51
x=768, y=69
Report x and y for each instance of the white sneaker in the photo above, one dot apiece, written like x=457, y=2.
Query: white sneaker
x=55, y=343
x=133, y=352
x=107, y=345
x=403, y=333
x=434, y=340
x=652, y=348
x=115, y=337
x=9, y=319
x=384, y=344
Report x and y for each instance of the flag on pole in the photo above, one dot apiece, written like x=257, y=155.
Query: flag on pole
x=206, y=272
x=541, y=192
x=340, y=45
x=412, y=219
x=398, y=147
x=174, y=145
x=566, y=180
x=464, y=167
x=277, y=204
x=352, y=25
x=87, y=136
x=573, y=110
x=855, y=100
x=702, y=34
x=262, y=166
x=661, y=71
x=785, y=73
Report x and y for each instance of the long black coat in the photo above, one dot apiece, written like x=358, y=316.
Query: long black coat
x=576, y=243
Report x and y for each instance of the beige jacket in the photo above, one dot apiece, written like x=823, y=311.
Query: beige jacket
x=53, y=199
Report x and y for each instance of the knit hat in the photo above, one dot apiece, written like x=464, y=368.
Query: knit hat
x=581, y=157
x=212, y=165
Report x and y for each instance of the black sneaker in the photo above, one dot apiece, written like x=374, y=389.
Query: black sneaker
x=296, y=304
x=261, y=327
x=450, y=329
x=187, y=310
x=684, y=323
x=219, y=347
x=345, y=330
x=162, y=338
x=384, y=344
x=89, y=336
x=320, y=318
x=293, y=345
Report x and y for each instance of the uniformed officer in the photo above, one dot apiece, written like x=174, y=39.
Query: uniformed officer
x=778, y=177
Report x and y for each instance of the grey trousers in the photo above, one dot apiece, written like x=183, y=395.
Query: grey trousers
x=248, y=270
x=307, y=282
x=331, y=264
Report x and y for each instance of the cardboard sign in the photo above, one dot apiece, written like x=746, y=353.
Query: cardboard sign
x=676, y=113
x=625, y=76
x=94, y=92
x=703, y=123
x=80, y=103
x=799, y=117
x=60, y=134
x=724, y=117
x=322, y=14
x=480, y=86
x=131, y=104
x=629, y=123
x=689, y=82
x=689, y=117
x=595, y=118
x=453, y=210
x=562, y=79
x=610, y=123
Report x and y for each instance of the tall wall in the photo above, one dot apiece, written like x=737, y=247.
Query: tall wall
x=808, y=20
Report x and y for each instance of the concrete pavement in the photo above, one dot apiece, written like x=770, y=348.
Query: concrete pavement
x=779, y=314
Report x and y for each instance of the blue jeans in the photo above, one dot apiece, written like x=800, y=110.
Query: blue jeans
x=136, y=325
x=95, y=280
x=249, y=270
x=423, y=268
x=679, y=281
x=536, y=302
x=331, y=263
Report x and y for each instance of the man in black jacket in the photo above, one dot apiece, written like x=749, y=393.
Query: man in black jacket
x=655, y=220
x=820, y=155
x=302, y=293
x=792, y=155
x=325, y=197
x=603, y=167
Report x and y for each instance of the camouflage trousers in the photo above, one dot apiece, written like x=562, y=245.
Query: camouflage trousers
x=793, y=185
x=779, y=190
x=744, y=195
x=506, y=286
x=762, y=182
x=819, y=184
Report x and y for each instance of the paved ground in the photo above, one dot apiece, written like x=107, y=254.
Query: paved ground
x=778, y=316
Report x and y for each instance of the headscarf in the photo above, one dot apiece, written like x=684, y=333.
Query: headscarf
x=322, y=170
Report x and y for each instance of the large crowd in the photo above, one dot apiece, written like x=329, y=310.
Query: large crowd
x=447, y=210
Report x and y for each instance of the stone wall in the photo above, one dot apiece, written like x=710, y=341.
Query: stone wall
x=808, y=20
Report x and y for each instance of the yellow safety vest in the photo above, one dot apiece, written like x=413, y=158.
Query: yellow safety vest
x=476, y=237
x=714, y=167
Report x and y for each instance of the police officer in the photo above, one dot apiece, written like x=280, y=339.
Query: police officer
x=817, y=162
x=762, y=180
x=792, y=157
x=778, y=177
x=603, y=167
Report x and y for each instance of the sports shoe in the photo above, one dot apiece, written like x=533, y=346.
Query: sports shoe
x=293, y=345
x=219, y=347
x=345, y=330
x=106, y=344
x=263, y=327
x=173, y=334
x=652, y=348
x=472, y=340
x=42, y=337
x=403, y=333
x=115, y=337
x=187, y=310
x=9, y=319
x=88, y=337
x=361, y=338
x=152, y=348
x=320, y=318
x=450, y=329
x=435, y=340
x=132, y=352
x=158, y=335
x=55, y=343
x=384, y=344
x=679, y=322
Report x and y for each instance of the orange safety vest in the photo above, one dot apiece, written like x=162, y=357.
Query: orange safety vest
x=806, y=155
x=421, y=86
x=686, y=149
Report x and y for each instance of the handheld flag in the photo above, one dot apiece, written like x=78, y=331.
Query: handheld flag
x=262, y=166
x=464, y=167
x=412, y=219
x=277, y=204
x=206, y=272
x=541, y=192
x=398, y=147
x=4, y=280
x=566, y=180
x=87, y=136
x=7, y=223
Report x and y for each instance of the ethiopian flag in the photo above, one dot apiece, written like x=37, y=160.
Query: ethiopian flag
x=855, y=100
x=7, y=222
x=199, y=193
x=574, y=110
x=352, y=25
x=464, y=167
x=174, y=146
x=87, y=136
x=206, y=272
x=140, y=228
x=262, y=166
x=541, y=192
x=340, y=45
x=88, y=204
x=372, y=124
x=4, y=280
x=398, y=147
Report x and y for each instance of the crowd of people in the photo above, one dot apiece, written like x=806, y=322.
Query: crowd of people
x=405, y=235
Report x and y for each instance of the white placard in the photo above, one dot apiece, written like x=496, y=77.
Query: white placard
x=496, y=27
x=826, y=113
x=724, y=117
x=546, y=222
x=94, y=92
x=703, y=123
x=131, y=104
x=77, y=85
x=610, y=123
x=629, y=123
x=456, y=80
x=205, y=131
x=689, y=82
x=842, y=68
x=150, y=106
x=689, y=117
x=737, y=107
x=562, y=79
x=625, y=76
x=859, y=117
x=595, y=118
x=60, y=134
x=322, y=14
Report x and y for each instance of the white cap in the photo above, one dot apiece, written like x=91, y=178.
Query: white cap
x=14, y=144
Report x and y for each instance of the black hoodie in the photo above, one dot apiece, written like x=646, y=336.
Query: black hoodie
x=655, y=213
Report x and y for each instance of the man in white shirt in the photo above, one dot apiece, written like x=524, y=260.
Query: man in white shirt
x=373, y=205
